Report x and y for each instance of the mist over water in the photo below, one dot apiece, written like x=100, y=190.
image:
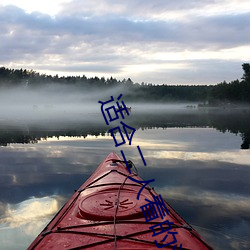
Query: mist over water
x=60, y=102
x=56, y=102
x=54, y=137
x=57, y=109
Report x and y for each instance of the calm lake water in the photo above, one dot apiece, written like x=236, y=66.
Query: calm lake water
x=199, y=159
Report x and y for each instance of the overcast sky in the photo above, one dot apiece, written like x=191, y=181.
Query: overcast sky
x=157, y=41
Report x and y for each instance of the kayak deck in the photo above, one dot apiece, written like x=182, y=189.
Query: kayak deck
x=105, y=213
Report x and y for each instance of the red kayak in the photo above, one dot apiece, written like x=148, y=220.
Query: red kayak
x=105, y=213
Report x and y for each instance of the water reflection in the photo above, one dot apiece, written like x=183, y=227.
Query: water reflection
x=198, y=169
x=20, y=222
x=234, y=121
x=32, y=209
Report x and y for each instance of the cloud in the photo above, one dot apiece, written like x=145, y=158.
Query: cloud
x=149, y=9
x=116, y=30
x=115, y=38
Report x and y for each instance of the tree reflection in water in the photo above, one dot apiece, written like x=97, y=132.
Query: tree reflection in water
x=233, y=121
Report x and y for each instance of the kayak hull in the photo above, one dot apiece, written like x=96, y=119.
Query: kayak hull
x=105, y=213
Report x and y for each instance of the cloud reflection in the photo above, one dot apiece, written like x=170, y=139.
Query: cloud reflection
x=223, y=156
x=228, y=203
x=29, y=212
x=22, y=222
x=198, y=171
x=213, y=209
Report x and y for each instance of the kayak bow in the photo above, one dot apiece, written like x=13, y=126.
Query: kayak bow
x=105, y=213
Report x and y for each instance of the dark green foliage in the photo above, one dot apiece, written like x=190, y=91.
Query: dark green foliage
x=246, y=75
x=234, y=92
x=220, y=94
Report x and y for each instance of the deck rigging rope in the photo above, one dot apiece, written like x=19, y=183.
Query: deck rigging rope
x=117, y=207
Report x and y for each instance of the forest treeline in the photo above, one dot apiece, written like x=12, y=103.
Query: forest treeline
x=236, y=91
